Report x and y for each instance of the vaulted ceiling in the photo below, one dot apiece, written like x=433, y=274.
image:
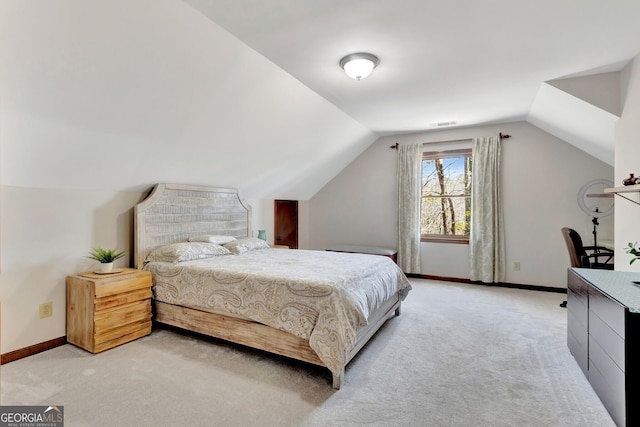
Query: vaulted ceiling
x=120, y=94
x=468, y=62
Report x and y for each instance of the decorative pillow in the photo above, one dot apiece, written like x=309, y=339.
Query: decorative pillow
x=246, y=244
x=212, y=238
x=186, y=251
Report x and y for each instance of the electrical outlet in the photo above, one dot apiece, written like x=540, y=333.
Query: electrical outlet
x=516, y=266
x=46, y=309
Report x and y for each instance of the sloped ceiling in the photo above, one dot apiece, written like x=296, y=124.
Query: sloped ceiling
x=468, y=62
x=582, y=111
x=120, y=94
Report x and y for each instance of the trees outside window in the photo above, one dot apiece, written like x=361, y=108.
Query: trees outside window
x=446, y=196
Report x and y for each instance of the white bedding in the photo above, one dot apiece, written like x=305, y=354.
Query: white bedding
x=316, y=295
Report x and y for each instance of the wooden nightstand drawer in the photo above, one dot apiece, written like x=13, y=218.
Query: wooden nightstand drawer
x=122, y=336
x=120, y=331
x=129, y=282
x=130, y=313
x=118, y=300
x=104, y=311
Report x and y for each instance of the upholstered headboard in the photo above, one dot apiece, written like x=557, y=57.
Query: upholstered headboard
x=173, y=212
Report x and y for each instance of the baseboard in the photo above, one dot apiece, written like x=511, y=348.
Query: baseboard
x=57, y=342
x=500, y=284
x=31, y=350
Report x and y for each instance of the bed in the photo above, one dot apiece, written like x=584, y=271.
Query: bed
x=319, y=307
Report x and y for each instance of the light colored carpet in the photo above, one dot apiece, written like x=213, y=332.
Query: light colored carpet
x=459, y=355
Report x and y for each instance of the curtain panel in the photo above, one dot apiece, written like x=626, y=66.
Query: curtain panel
x=486, y=242
x=409, y=200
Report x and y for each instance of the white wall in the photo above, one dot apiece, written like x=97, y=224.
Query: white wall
x=627, y=160
x=102, y=99
x=542, y=177
x=123, y=94
x=45, y=236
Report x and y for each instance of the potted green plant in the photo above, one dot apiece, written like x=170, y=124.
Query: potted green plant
x=106, y=257
x=633, y=251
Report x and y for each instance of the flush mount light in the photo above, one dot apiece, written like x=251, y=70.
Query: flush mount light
x=359, y=65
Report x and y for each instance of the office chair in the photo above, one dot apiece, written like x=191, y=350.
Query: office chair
x=586, y=256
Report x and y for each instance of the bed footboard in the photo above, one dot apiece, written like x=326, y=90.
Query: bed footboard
x=266, y=338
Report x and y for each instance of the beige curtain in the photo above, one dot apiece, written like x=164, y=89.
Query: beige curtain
x=409, y=199
x=486, y=243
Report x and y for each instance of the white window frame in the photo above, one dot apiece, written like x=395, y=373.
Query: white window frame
x=442, y=154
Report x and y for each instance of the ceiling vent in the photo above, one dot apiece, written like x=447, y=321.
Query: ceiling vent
x=443, y=124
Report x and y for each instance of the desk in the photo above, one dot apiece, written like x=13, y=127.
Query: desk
x=609, y=244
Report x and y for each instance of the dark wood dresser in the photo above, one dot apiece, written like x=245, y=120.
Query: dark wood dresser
x=603, y=335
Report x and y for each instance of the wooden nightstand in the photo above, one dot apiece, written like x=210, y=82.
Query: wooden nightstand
x=107, y=310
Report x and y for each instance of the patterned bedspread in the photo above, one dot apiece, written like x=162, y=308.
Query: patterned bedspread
x=316, y=295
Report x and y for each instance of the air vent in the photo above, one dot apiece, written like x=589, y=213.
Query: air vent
x=444, y=124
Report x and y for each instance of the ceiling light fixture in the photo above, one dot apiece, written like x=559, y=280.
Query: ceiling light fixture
x=359, y=65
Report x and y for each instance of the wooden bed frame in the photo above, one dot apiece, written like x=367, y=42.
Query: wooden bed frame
x=171, y=214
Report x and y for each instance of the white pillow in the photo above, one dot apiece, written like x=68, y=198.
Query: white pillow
x=212, y=238
x=246, y=244
x=186, y=251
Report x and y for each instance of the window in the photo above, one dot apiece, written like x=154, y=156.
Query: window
x=446, y=196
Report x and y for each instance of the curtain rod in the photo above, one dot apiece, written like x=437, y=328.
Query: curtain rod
x=502, y=136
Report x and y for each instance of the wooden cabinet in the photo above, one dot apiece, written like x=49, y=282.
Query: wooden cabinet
x=603, y=334
x=107, y=310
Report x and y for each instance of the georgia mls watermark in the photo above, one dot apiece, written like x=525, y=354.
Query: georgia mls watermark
x=31, y=416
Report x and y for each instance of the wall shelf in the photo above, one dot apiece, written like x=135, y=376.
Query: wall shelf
x=624, y=189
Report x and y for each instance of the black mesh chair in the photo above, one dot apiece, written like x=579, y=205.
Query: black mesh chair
x=586, y=256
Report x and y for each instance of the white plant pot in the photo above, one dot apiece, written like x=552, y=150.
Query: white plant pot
x=106, y=267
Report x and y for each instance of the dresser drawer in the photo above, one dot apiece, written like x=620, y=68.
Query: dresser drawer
x=609, y=341
x=130, y=313
x=607, y=309
x=579, y=352
x=577, y=329
x=578, y=307
x=608, y=381
x=579, y=287
x=599, y=358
